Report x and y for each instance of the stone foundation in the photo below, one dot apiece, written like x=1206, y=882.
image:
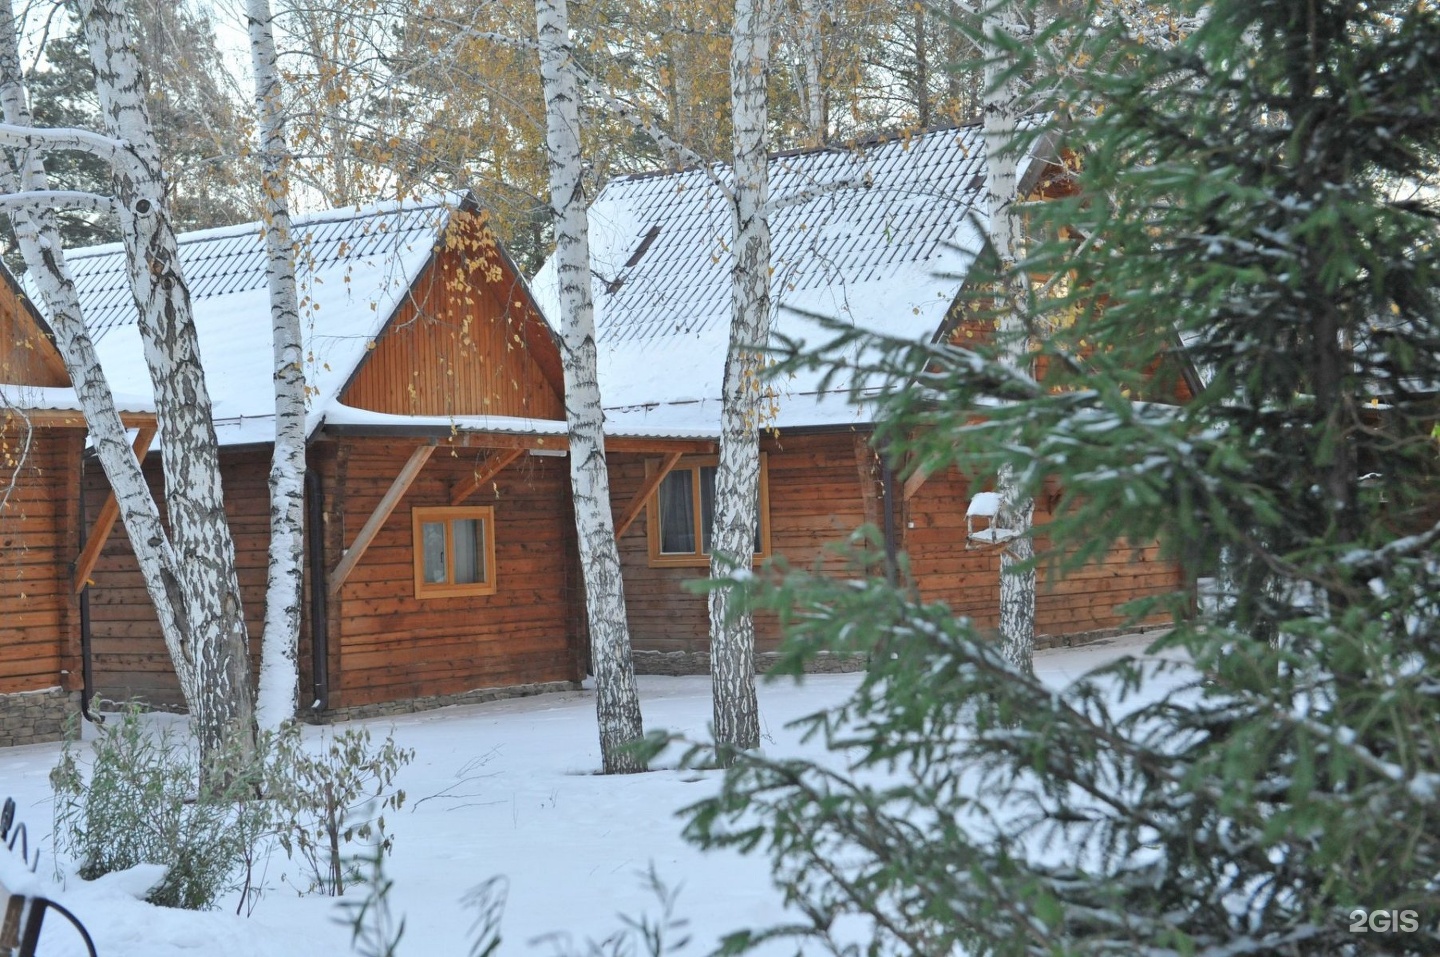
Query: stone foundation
x=698, y=662
x=1043, y=642
x=431, y=702
x=30, y=717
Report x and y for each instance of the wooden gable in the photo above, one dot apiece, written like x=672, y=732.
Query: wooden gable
x=27, y=354
x=468, y=340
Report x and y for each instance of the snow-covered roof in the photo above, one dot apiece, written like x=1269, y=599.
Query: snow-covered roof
x=32, y=398
x=884, y=244
x=355, y=266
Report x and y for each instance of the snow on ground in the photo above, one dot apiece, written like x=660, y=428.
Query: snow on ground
x=504, y=788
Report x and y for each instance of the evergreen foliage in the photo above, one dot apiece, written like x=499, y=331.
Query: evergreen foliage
x=1248, y=212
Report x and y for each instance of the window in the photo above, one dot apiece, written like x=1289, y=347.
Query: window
x=682, y=512
x=454, y=551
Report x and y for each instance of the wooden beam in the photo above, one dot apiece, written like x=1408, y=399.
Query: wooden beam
x=492, y=467
x=660, y=446
x=105, y=521
x=519, y=440
x=913, y=483
x=651, y=483
x=75, y=419
x=377, y=518
x=865, y=468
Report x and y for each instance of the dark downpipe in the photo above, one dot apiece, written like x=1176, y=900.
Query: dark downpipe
x=319, y=622
x=87, y=666
x=892, y=546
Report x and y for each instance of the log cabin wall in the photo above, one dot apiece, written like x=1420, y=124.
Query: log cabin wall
x=465, y=342
x=40, y=665
x=128, y=654
x=933, y=533
x=821, y=488
x=818, y=495
x=26, y=354
x=392, y=646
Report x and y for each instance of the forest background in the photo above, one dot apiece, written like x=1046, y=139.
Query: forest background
x=386, y=98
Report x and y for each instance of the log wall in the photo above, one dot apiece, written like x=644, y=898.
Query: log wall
x=467, y=341
x=822, y=487
x=388, y=645
x=128, y=654
x=384, y=644
x=817, y=497
x=933, y=533
x=39, y=540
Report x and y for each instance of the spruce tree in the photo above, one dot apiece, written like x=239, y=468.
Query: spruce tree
x=1249, y=224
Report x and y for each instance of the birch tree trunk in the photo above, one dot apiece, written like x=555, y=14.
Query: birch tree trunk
x=812, y=51
x=39, y=240
x=737, y=477
x=1002, y=109
x=223, y=709
x=279, y=671
x=616, y=699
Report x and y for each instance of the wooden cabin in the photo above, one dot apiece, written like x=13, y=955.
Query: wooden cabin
x=42, y=532
x=440, y=557
x=882, y=239
x=441, y=565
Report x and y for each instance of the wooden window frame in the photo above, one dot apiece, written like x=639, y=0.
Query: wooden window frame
x=447, y=514
x=699, y=559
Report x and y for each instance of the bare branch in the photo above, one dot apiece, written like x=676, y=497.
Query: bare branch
x=41, y=199
x=113, y=151
x=815, y=192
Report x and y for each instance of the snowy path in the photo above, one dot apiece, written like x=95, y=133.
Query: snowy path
x=499, y=788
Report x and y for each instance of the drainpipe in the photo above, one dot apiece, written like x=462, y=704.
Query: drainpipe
x=87, y=668
x=319, y=621
x=887, y=487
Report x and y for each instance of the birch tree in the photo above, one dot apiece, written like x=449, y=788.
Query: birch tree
x=1002, y=32
x=617, y=701
x=737, y=476
x=279, y=671
x=190, y=573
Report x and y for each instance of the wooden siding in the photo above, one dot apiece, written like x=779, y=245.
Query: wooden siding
x=816, y=498
x=933, y=533
x=467, y=341
x=39, y=538
x=821, y=489
x=391, y=645
x=27, y=356
x=128, y=654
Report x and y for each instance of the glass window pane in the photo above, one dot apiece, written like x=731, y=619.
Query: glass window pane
x=707, y=506
x=467, y=535
x=677, y=514
x=432, y=545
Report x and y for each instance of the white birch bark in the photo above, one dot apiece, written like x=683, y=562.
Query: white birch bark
x=737, y=477
x=224, y=710
x=40, y=244
x=616, y=699
x=1003, y=105
x=812, y=52
x=279, y=680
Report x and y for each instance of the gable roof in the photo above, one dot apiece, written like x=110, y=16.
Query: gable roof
x=355, y=268
x=883, y=244
x=32, y=374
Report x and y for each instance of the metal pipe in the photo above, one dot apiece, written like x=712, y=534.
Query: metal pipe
x=87, y=666
x=319, y=620
x=887, y=487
